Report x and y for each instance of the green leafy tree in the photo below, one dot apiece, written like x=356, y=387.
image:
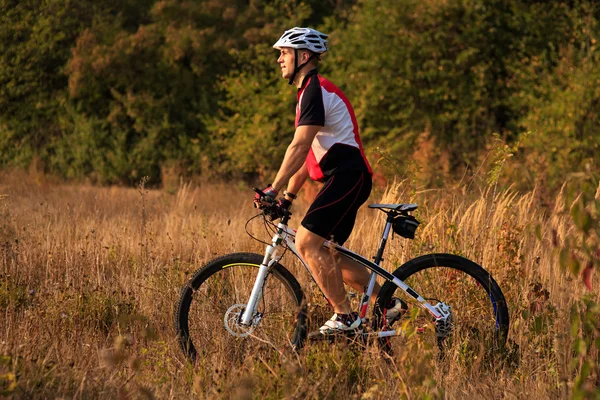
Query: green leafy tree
x=449, y=69
x=256, y=120
x=35, y=42
x=564, y=107
x=144, y=94
x=115, y=90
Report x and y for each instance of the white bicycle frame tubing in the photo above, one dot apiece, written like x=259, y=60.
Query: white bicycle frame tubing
x=287, y=235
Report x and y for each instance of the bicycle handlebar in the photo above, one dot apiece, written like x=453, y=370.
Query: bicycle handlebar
x=271, y=208
x=260, y=192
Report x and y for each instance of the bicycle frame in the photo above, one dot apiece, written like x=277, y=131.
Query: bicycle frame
x=285, y=234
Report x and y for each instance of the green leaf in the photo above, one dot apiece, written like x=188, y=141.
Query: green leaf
x=581, y=217
x=538, y=232
x=574, y=265
x=580, y=346
x=563, y=258
x=539, y=324
x=568, y=261
x=575, y=321
x=585, y=370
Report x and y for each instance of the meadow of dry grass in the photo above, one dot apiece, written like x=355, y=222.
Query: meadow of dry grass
x=89, y=278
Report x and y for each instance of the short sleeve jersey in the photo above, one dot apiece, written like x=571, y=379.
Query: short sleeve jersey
x=337, y=146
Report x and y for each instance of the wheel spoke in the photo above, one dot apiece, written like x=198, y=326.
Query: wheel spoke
x=477, y=306
x=210, y=322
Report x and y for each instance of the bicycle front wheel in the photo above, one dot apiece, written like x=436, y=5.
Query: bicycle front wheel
x=479, y=315
x=207, y=316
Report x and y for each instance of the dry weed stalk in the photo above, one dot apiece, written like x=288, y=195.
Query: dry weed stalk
x=73, y=280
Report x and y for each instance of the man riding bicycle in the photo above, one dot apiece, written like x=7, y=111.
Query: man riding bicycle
x=327, y=147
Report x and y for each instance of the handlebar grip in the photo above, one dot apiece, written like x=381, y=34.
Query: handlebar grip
x=260, y=192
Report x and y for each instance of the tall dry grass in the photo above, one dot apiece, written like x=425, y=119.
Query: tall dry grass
x=89, y=278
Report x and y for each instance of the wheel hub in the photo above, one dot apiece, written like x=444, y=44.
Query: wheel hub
x=233, y=324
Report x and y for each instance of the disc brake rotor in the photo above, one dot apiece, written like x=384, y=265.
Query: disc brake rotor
x=232, y=321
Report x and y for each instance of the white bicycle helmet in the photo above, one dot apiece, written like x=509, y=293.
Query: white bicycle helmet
x=303, y=38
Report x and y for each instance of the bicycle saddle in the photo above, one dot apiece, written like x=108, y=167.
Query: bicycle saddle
x=395, y=207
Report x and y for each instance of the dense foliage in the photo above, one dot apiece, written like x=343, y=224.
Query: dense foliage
x=111, y=91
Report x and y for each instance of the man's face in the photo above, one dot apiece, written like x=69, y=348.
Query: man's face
x=286, y=62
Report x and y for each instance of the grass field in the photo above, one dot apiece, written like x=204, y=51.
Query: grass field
x=89, y=278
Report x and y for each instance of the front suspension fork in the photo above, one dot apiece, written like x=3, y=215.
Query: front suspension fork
x=268, y=261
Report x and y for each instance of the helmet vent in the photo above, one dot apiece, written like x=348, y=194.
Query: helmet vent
x=303, y=38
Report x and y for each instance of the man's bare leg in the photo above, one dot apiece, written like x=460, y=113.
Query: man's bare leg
x=324, y=268
x=356, y=275
x=331, y=270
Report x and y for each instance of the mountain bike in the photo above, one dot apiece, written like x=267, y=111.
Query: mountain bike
x=245, y=301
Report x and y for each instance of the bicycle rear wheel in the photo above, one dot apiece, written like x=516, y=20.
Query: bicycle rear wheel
x=210, y=305
x=478, y=307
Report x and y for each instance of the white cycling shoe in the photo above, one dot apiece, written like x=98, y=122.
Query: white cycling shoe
x=395, y=310
x=342, y=323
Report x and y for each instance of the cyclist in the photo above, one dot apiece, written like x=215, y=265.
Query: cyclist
x=327, y=147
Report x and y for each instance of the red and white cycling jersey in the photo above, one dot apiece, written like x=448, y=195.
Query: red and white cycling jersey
x=337, y=146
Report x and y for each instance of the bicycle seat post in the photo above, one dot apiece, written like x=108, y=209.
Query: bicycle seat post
x=378, y=258
x=386, y=233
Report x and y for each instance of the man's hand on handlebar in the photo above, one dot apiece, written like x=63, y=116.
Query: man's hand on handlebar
x=284, y=203
x=264, y=197
x=266, y=200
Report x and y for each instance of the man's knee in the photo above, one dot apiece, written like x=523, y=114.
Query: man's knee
x=307, y=242
x=304, y=246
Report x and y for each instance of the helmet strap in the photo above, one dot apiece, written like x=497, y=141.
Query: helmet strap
x=297, y=67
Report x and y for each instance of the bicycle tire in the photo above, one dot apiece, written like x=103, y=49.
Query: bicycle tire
x=228, y=280
x=488, y=324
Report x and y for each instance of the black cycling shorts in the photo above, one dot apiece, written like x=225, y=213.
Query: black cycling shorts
x=333, y=212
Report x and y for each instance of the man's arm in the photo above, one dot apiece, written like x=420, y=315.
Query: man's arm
x=296, y=181
x=295, y=155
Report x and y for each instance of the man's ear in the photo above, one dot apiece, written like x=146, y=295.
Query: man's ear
x=305, y=56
